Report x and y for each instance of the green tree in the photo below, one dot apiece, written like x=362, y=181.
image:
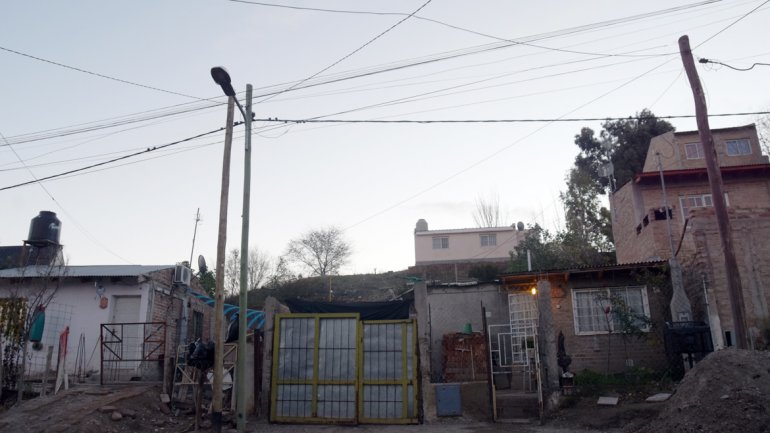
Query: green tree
x=545, y=251
x=208, y=281
x=588, y=228
x=623, y=142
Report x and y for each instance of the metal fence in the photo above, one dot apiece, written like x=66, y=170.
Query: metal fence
x=132, y=352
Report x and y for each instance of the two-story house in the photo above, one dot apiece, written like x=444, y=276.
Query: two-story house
x=452, y=254
x=641, y=231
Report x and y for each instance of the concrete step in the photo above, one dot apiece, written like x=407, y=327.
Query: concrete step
x=517, y=405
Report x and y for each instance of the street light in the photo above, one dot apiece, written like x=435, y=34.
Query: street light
x=221, y=77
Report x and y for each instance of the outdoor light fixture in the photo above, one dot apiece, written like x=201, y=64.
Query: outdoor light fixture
x=534, y=291
x=221, y=77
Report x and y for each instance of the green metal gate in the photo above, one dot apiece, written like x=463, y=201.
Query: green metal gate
x=333, y=368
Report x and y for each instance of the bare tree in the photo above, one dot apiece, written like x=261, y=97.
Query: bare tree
x=258, y=269
x=763, y=130
x=322, y=251
x=488, y=213
x=20, y=305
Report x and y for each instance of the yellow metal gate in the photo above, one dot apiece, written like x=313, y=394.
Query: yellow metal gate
x=333, y=368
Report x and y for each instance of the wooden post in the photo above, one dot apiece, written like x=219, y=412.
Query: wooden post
x=734, y=288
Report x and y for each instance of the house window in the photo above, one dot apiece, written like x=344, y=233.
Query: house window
x=693, y=150
x=592, y=308
x=197, y=325
x=440, y=243
x=738, y=147
x=696, y=201
x=488, y=240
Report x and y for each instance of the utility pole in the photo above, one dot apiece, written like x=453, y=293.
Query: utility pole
x=734, y=288
x=240, y=385
x=195, y=232
x=219, y=297
x=681, y=311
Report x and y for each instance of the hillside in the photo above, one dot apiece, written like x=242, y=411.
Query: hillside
x=344, y=288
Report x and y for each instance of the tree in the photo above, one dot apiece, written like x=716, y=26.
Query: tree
x=588, y=228
x=25, y=302
x=544, y=248
x=763, y=130
x=321, y=251
x=623, y=142
x=208, y=282
x=258, y=269
x=488, y=213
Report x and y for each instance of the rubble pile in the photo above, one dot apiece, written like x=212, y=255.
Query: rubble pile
x=729, y=391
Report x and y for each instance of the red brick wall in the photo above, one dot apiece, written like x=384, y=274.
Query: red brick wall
x=591, y=351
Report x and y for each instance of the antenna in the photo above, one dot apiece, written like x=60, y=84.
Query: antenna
x=195, y=232
x=202, y=268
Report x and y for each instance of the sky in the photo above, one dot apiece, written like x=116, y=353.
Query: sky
x=85, y=82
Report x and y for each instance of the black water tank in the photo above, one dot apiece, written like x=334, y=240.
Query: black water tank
x=44, y=229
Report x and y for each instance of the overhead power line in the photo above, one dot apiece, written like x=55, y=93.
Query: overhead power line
x=732, y=24
x=486, y=35
x=702, y=60
x=96, y=74
x=551, y=120
x=366, y=44
x=131, y=155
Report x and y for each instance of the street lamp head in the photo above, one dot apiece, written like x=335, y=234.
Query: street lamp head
x=221, y=77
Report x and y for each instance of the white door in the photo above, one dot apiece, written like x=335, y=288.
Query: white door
x=126, y=310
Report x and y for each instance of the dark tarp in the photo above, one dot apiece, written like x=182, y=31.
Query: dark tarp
x=393, y=310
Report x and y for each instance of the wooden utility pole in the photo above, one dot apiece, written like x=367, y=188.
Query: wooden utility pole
x=219, y=297
x=734, y=288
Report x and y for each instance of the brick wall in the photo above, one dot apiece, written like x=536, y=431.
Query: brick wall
x=751, y=230
x=591, y=351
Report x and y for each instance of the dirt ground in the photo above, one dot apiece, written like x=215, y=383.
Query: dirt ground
x=729, y=391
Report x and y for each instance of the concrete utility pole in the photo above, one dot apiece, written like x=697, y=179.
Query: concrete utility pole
x=219, y=297
x=681, y=311
x=240, y=370
x=734, y=288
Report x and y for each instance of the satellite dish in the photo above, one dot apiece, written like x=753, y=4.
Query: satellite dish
x=202, y=265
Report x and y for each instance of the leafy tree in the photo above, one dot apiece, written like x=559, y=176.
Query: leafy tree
x=321, y=251
x=545, y=251
x=208, y=281
x=763, y=130
x=623, y=142
x=588, y=228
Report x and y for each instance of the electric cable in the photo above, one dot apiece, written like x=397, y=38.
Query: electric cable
x=343, y=58
x=71, y=218
x=535, y=120
x=149, y=149
x=731, y=24
x=705, y=61
x=119, y=80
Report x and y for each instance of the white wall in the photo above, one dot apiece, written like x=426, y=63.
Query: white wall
x=76, y=304
x=465, y=244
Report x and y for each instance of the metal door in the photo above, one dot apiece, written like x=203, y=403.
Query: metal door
x=315, y=368
x=333, y=368
x=389, y=372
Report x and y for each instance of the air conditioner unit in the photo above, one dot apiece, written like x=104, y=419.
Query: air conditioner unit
x=182, y=275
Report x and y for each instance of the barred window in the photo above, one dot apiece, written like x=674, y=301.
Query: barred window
x=592, y=308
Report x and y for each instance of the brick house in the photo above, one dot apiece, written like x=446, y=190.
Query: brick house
x=577, y=301
x=640, y=227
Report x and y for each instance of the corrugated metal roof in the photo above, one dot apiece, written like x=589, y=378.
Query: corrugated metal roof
x=587, y=268
x=83, y=271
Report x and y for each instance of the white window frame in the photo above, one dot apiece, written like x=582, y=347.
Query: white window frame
x=705, y=201
x=698, y=150
x=597, y=310
x=440, y=242
x=738, y=142
x=488, y=240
